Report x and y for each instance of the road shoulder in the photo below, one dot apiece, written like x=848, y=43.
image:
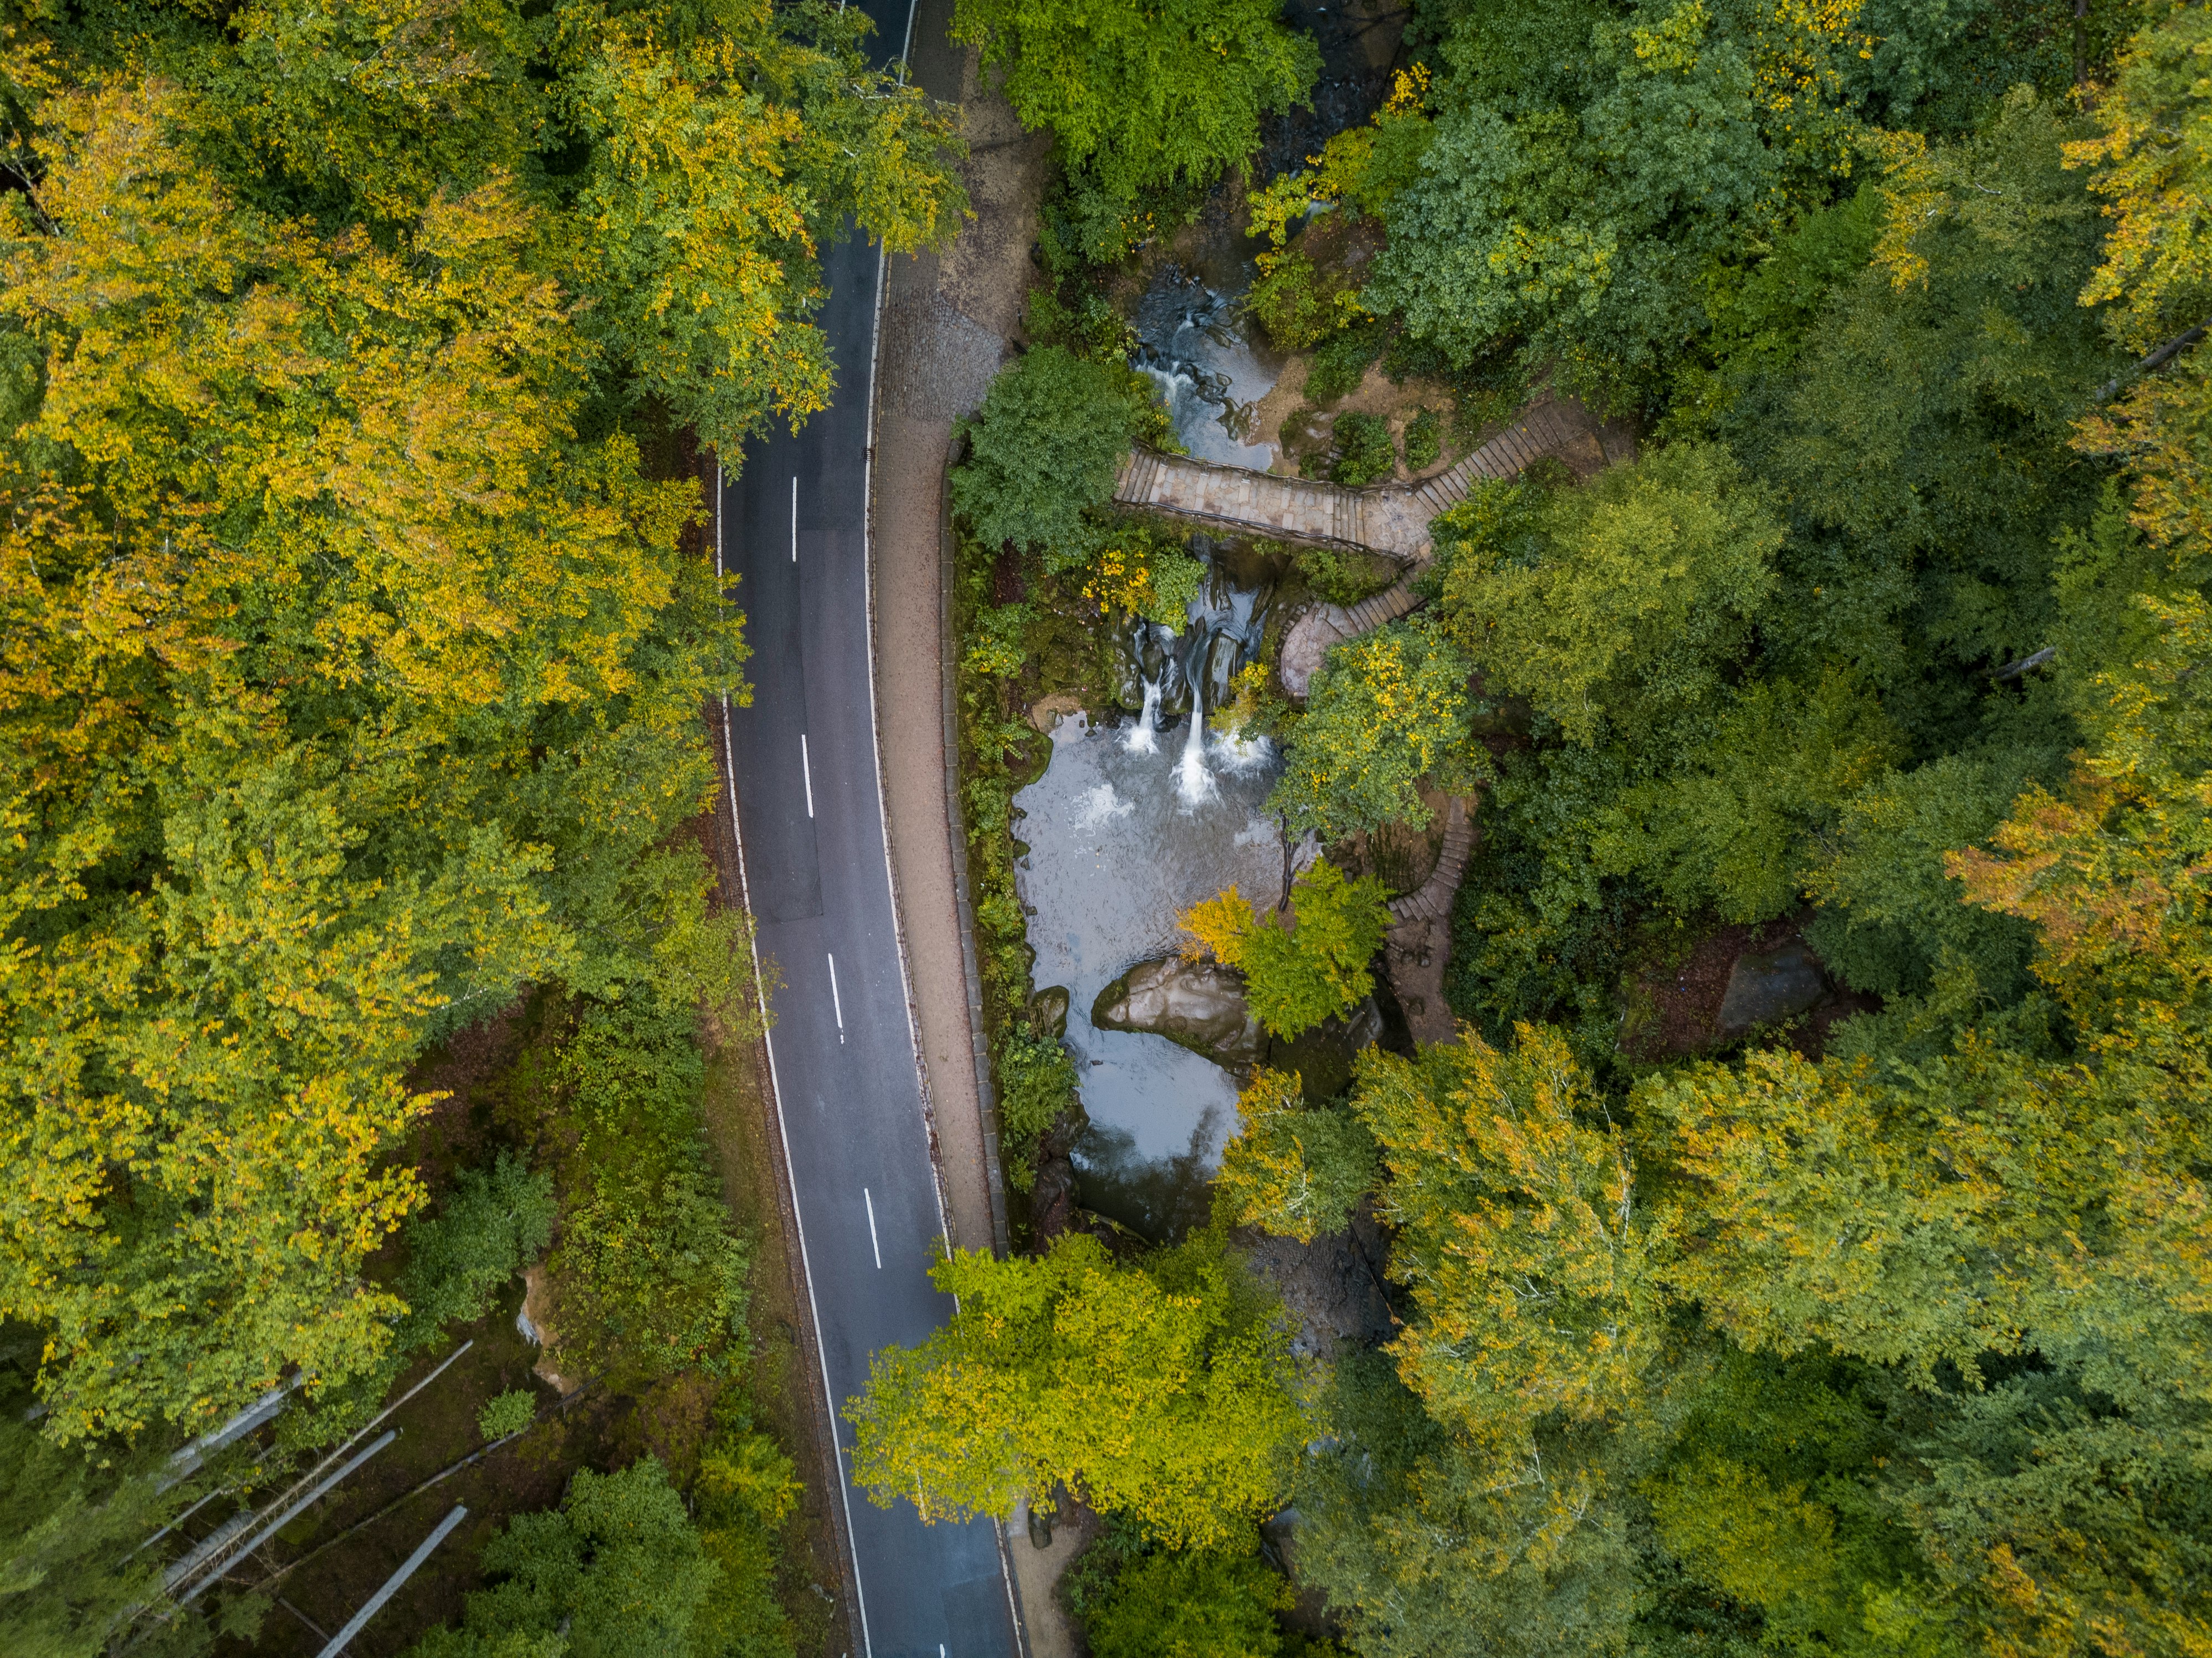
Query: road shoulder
x=948, y=324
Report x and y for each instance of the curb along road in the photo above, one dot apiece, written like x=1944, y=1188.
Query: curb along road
x=804, y=784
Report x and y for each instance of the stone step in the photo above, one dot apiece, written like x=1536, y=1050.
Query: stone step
x=1433, y=900
x=1388, y=606
x=1391, y=520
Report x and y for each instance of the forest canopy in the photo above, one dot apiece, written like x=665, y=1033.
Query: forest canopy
x=354, y=658
x=359, y=365
x=1867, y=652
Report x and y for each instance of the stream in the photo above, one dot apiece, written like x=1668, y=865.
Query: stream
x=1141, y=815
x=1193, y=342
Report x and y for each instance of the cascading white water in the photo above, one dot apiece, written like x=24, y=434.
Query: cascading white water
x=1242, y=752
x=1193, y=341
x=1194, y=783
x=1141, y=739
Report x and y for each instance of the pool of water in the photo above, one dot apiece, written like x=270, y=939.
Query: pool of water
x=1119, y=843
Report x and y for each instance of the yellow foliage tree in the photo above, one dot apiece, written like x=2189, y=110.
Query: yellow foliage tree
x=1518, y=1232
x=1219, y=926
x=1164, y=1394
x=305, y=586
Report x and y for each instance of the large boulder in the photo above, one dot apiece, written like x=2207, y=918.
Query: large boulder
x=1199, y=1005
x=1768, y=988
x=1048, y=1011
x=1310, y=639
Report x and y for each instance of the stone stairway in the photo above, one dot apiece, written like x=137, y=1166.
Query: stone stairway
x=1431, y=901
x=1312, y=635
x=1391, y=518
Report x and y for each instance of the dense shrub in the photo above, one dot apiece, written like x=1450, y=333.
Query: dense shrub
x=493, y=1223
x=648, y=1276
x=1363, y=451
x=1339, y=575
x=506, y=1413
x=1425, y=440
x=1037, y=1085
x=1293, y=304
x=1046, y=445
x=1341, y=360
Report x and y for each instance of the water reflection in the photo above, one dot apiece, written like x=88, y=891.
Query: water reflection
x=1158, y=1197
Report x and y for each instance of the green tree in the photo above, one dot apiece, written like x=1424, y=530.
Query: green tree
x=1891, y=913
x=1046, y=446
x=1927, y=429
x=1291, y=1168
x=700, y=277
x=1518, y=1230
x=1314, y=970
x=1550, y=210
x=616, y=1571
x=1774, y=1493
x=1734, y=823
x=1140, y=97
x=1641, y=590
x=1163, y=1393
x=714, y=157
x=744, y=1500
x=1203, y=1604
x=1386, y=710
x=1897, y=1343
x=1429, y=1544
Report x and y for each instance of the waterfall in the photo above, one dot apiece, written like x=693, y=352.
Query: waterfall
x=1140, y=738
x=1194, y=783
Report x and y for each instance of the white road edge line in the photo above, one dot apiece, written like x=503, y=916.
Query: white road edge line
x=783, y=1129
x=806, y=771
x=874, y=1243
x=795, y=518
x=836, y=1002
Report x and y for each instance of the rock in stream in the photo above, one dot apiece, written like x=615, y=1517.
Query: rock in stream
x=1198, y=1004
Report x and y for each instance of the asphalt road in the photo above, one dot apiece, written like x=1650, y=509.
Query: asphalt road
x=794, y=537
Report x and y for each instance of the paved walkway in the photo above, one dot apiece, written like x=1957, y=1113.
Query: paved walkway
x=1391, y=519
